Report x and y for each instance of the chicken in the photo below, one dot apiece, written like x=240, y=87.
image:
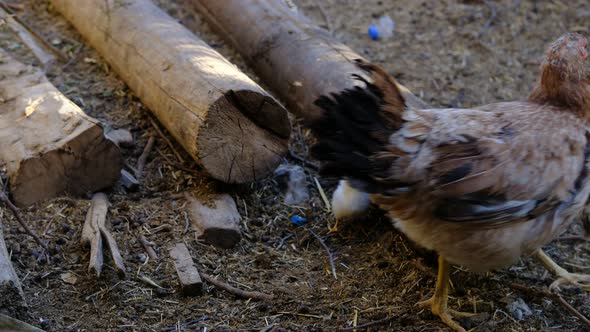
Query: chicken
x=481, y=186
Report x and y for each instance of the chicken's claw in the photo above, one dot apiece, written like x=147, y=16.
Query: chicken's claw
x=578, y=280
x=563, y=276
x=334, y=228
x=439, y=300
x=446, y=315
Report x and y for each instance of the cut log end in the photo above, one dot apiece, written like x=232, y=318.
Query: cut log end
x=245, y=137
x=92, y=163
x=220, y=237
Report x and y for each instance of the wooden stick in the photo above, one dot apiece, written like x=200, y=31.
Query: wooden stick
x=91, y=232
x=4, y=199
x=148, y=246
x=188, y=274
x=555, y=296
x=572, y=238
x=114, y=249
x=143, y=158
x=306, y=162
x=257, y=296
x=94, y=230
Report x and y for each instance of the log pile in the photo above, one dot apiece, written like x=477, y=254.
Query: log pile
x=233, y=128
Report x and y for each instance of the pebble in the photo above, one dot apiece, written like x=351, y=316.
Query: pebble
x=519, y=309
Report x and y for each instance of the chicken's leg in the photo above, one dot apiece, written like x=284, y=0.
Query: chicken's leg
x=563, y=276
x=438, y=301
x=333, y=228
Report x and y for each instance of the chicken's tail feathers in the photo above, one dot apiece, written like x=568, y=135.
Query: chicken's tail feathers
x=386, y=88
x=355, y=126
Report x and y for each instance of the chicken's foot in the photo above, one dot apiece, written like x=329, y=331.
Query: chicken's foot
x=333, y=228
x=563, y=276
x=438, y=302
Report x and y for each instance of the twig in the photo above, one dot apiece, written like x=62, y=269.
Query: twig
x=142, y=159
x=20, y=220
x=148, y=247
x=368, y=324
x=555, y=296
x=322, y=194
x=330, y=255
x=52, y=219
x=149, y=281
x=306, y=162
x=572, y=238
x=170, y=145
x=237, y=292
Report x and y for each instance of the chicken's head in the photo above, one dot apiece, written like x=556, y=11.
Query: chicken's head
x=568, y=54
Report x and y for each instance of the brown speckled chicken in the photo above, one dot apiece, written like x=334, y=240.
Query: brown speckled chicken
x=480, y=186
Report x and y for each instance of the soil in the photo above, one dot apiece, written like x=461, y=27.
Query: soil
x=450, y=53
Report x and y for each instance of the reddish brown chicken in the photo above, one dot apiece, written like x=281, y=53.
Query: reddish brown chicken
x=480, y=186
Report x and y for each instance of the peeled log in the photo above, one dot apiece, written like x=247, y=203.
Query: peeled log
x=224, y=120
x=49, y=146
x=293, y=56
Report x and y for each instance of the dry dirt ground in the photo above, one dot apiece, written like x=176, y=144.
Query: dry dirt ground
x=450, y=53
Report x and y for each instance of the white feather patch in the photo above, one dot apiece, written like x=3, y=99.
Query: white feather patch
x=348, y=202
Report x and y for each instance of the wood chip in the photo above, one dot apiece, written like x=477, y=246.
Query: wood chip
x=188, y=275
x=217, y=223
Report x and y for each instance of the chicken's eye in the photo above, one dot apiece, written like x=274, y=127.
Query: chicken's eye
x=582, y=44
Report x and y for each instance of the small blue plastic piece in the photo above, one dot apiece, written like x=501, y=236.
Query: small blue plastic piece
x=297, y=220
x=373, y=32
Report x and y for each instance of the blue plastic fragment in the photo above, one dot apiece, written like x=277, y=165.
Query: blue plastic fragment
x=297, y=220
x=373, y=32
